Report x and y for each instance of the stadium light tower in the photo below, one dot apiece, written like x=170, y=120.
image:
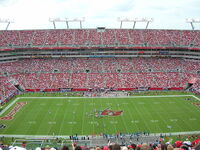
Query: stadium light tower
x=80, y=20
x=7, y=21
x=191, y=21
x=54, y=20
x=134, y=20
x=66, y=20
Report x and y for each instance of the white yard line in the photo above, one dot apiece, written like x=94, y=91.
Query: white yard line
x=132, y=118
x=93, y=118
x=142, y=118
x=123, y=119
x=113, y=121
x=46, y=114
x=163, y=120
x=103, y=122
x=83, y=119
x=74, y=113
x=45, y=136
x=63, y=121
x=53, y=120
x=5, y=109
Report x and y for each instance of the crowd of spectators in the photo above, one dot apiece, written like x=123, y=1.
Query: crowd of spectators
x=161, y=144
x=101, y=65
x=101, y=72
x=98, y=73
x=93, y=37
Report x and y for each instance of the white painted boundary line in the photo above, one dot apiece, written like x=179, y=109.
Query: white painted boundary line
x=97, y=137
x=109, y=97
x=64, y=136
x=5, y=109
x=196, y=97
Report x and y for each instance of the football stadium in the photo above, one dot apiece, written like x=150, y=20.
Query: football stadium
x=100, y=88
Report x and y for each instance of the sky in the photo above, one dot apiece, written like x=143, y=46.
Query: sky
x=35, y=14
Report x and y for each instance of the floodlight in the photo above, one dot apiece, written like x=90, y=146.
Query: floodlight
x=135, y=20
x=188, y=20
x=191, y=21
x=7, y=21
x=197, y=20
x=66, y=20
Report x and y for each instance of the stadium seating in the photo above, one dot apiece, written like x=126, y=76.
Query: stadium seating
x=94, y=37
x=109, y=65
x=26, y=37
x=106, y=141
x=188, y=38
x=39, y=37
x=109, y=37
x=52, y=37
x=94, y=73
x=136, y=37
x=7, y=89
x=66, y=37
x=91, y=37
x=122, y=37
x=98, y=73
x=197, y=40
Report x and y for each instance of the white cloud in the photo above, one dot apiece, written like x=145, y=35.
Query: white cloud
x=32, y=14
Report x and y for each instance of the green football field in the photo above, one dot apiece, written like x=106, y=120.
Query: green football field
x=69, y=116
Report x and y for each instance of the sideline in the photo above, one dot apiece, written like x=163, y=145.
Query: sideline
x=95, y=137
x=196, y=97
x=7, y=107
x=112, y=97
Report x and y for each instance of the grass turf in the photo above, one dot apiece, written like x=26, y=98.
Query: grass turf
x=69, y=116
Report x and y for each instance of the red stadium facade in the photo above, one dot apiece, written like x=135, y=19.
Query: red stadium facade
x=87, y=59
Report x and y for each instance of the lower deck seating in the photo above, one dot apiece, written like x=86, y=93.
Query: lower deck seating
x=98, y=73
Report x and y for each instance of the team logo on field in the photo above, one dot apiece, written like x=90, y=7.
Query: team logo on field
x=2, y=126
x=109, y=112
x=12, y=113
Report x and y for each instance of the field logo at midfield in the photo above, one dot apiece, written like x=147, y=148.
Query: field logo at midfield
x=109, y=112
x=12, y=113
